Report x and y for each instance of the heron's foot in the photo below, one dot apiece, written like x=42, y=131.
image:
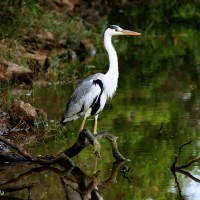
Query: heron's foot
x=97, y=148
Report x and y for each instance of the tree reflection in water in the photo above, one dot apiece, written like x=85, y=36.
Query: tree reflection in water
x=179, y=169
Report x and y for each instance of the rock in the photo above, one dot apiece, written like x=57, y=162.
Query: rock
x=39, y=61
x=67, y=55
x=45, y=35
x=23, y=112
x=14, y=69
x=43, y=40
x=69, y=3
x=86, y=51
x=87, y=46
x=16, y=72
x=2, y=77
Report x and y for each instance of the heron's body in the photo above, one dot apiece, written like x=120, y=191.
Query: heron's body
x=91, y=89
x=90, y=97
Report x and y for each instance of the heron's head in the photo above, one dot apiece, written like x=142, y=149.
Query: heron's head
x=116, y=30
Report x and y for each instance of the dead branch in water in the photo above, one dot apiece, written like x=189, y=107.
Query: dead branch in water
x=85, y=138
x=174, y=168
x=190, y=162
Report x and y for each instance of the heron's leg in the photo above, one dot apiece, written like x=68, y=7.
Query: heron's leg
x=97, y=145
x=87, y=113
x=95, y=124
x=83, y=123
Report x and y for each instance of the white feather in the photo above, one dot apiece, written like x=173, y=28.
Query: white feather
x=110, y=80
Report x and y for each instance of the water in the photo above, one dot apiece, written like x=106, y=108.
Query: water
x=152, y=117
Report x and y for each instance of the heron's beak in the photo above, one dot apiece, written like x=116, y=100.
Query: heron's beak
x=126, y=32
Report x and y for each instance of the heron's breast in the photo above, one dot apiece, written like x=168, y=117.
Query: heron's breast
x=110, y=87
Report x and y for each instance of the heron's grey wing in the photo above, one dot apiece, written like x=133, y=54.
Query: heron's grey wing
x=83, y=97
x=85, y=86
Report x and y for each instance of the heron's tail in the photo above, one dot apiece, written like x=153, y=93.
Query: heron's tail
x=66, y=118
x=63, y=121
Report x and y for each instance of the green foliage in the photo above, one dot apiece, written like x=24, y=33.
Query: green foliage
x=13, y=17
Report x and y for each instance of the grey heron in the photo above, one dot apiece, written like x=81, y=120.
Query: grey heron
x=90, y=97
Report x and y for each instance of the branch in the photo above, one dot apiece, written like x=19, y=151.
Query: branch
x=113, y=141
x=85, y=138
x=37, y=160
x=188, y=163
x=177, y=184
x=16, y=187
x=189, y=175
x=173, y=166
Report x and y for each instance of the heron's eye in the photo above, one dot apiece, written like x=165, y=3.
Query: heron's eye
x=116, y=29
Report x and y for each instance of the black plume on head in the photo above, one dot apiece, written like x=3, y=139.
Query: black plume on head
x=113, y=27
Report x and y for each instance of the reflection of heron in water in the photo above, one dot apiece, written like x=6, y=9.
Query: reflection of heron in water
x=76, y=186
x=90, y=97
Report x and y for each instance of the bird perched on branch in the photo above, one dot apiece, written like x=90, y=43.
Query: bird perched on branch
x=90, y=97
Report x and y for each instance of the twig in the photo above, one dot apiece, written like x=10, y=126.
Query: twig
x=189, y=175
x=188, y=163
x=177, y=184
x=174, y=167
x=159, y=131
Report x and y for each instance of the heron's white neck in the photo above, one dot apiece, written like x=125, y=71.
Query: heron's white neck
x=111, y=77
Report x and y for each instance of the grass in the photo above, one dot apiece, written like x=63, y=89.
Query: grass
x=18, y=23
